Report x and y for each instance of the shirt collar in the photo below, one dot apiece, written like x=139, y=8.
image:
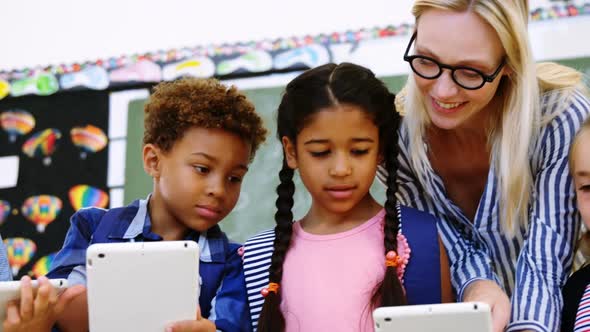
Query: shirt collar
x=212, y=243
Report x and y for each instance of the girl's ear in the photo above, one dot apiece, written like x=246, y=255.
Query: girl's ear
x=290, y=152
x=507, y=71
x=151, y=160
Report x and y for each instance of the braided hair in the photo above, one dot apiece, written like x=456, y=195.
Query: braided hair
x=316, y=89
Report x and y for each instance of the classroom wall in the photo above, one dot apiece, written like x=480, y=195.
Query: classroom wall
x=40, y=33
x=62, y=31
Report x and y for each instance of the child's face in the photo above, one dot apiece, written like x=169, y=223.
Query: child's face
x=337, y=154
x=581, y=172
x=199, y=179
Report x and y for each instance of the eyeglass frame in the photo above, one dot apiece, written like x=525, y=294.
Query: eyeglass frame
x=441, y=66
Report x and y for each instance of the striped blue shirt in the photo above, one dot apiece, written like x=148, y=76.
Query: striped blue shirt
x=533, y=265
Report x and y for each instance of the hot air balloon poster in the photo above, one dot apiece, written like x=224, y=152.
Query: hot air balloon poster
x=83, y=195
x=19, y=252
x=42, y=145
x=62, y=144
x=41, y=210
x=88, y=139
x=16, y=123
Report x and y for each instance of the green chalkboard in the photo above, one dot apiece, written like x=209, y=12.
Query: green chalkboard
x=582, y=64
x=137, y=183
x=256, y=207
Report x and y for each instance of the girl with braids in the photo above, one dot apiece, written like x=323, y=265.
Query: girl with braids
x=348, y=254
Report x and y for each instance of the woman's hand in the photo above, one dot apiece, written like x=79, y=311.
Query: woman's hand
x=37, y=313
x=199, y=325
x=489, y=292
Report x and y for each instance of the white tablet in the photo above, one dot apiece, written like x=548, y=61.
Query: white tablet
x=10, y=290
x=141, y=286
x=446, y=317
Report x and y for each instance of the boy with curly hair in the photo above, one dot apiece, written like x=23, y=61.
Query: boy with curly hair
x=200, y=137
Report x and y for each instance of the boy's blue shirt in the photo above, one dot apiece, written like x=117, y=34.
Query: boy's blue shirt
x=222, y=299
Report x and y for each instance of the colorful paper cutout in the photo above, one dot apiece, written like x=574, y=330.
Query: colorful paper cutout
x=41, y=210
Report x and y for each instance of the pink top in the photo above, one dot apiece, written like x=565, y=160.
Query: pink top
x=328, y=280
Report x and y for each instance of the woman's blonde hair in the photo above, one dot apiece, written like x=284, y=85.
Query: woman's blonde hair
x=517, y=126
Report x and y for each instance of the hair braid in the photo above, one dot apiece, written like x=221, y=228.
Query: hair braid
x=271, y=318
x=390, y=291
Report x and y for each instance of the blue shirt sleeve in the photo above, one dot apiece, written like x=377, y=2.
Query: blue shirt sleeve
x=229, y=308
x=70, y=261
x=5, y=271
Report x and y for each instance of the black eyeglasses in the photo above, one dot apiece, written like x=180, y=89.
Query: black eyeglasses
x=466, y=77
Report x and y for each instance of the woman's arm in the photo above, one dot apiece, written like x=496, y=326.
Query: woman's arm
x=470, y=266
x=445, y=275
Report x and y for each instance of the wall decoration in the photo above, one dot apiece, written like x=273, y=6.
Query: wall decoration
x=17, y=123
x=4, y=88
x=309, y=56
x=4, y=211
x=19, y=252
x=42, y=84
x=42, y=145
x=90, y=139
x=224, y=60
x=41, y=210
x=91, y=77
x=196, y=67
x=255, y=61
x=43, y=265
x=83, y=195
x=37, y=209
x=141, y=71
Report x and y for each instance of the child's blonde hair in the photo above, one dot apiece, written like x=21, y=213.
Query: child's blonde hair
x=584, y=128
x=584, y=242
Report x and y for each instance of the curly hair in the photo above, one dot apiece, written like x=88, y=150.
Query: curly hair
x=174, y=107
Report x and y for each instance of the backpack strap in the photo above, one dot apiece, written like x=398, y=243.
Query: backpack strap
x=422, y=277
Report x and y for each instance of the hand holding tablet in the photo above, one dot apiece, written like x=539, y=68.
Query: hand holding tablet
x=33, y=305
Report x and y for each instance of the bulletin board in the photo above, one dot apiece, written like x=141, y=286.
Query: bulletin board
x=54, y=151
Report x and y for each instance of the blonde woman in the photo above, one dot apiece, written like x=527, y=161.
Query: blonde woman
x=484, y=146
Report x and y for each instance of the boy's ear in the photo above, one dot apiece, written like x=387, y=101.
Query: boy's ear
x=151, y=160
x=290, y=153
